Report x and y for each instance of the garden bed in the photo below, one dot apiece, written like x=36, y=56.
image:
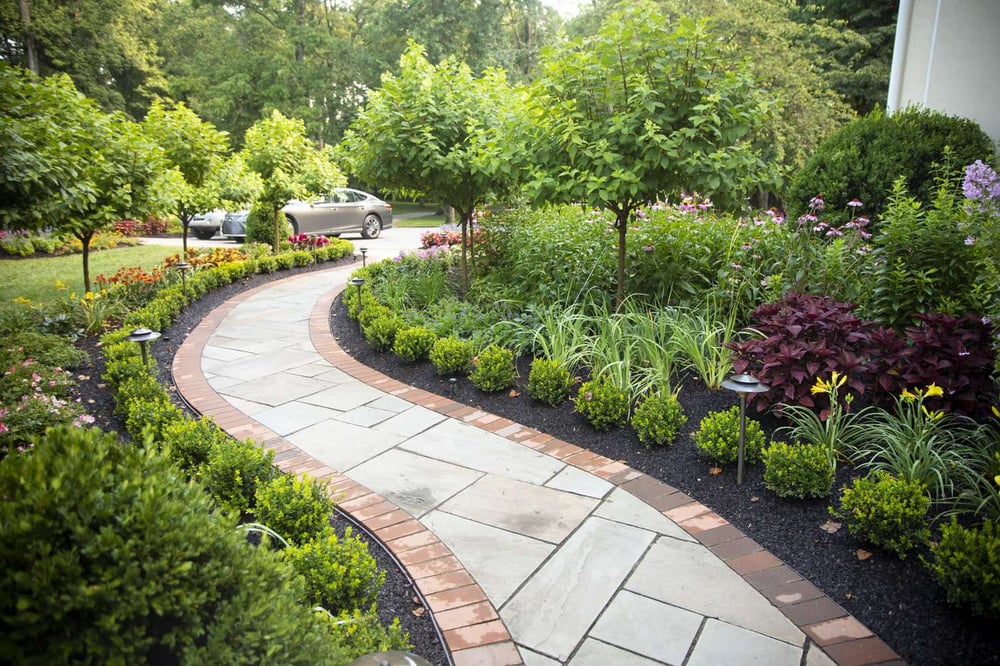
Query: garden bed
x=897, y=599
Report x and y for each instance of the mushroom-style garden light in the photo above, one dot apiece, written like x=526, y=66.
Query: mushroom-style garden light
x=744, y=385
x=143, y=336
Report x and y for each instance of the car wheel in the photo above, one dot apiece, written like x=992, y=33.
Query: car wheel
x=295, y=225
x=371, y=227
x=204, y=234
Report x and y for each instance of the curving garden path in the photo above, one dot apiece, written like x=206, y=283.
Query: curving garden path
x=526, y=549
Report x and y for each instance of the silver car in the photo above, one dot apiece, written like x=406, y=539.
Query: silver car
x=341, y=211
x=206, y=225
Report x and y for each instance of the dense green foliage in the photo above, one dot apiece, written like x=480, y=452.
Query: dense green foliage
x=798, y=470
x=864, y=158
x=658, y=418
x=718, y=437
x=141, y=569
x=602, y=402
x=414, y=343
x=493, y=369
x=966, y=563
x=549, y=381
x=295, y=508
x=886, y=511
x=339, y=572
x=451, y=356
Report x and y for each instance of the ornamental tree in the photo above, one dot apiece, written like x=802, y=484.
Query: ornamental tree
x=192, y=148
x=276, y=148
x=68, y=167
x=639, y=110
x=435, y=131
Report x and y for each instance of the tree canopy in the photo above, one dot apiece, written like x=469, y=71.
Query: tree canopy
x=643, y=109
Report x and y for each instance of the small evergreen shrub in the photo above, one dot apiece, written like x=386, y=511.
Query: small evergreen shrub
x=966, y=562
x=234, y=471
x=658, y=419
x=372, y=310
x=602, y=403
x=110, y=556
x=798, y=470
x=493, y=369
x=296, y=508
x=339, y=573
x=189, y=442
x=718, y=437
x=360, y=632
x=886, y=511
x=549, y=381
x=413, y=343
x=380, y=332
x=452, y=356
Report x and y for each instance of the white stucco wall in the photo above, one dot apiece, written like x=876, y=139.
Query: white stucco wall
x=950, y=59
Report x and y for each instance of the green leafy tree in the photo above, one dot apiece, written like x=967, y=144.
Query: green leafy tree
x=640, y=110
x=192, y=148
x=436, y=131
x=108, y=47
x=289, y=167
x=79, y=169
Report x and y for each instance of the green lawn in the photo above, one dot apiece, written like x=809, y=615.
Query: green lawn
x=35, y=279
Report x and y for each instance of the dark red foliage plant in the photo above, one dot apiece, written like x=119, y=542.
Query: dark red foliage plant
x=804, y=337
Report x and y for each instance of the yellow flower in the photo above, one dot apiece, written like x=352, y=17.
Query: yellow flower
x=89, y=296
x=906, y=395
x=836, y=381
x=934, y=391
x=996, y=412
x=933, y=416
x=60, y=284
x=21, y=300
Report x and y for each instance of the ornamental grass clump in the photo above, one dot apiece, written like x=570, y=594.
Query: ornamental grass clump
x=658, y=418
x=602, y=403
x=886, y=511
x=799, y=470
x=549, y=382
x=718, y=437
x=493, y=369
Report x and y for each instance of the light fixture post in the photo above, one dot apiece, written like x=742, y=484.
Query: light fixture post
x=743, y=385
x=143, y=336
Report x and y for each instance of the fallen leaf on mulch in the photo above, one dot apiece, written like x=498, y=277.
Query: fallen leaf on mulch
x=418, y=612
x=715, y=471
x=863, y=554
x=416, y=601
x=831, y=526
x=513, y=393
x=754, y=498
x=848, y=595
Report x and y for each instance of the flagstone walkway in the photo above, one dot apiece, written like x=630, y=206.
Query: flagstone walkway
x=526, y=549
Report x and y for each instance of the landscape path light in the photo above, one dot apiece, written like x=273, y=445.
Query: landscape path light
x=744, y=385
x=183, y=267
x=364, y=251
x=358, y=282
x=143, y=336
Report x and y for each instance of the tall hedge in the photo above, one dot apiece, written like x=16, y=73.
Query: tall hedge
x=864, y=158
x=109, y=556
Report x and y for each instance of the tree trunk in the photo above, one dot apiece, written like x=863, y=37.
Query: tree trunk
x=277, y=230
x=85, y=238
x=30, y=49
x=466, y=217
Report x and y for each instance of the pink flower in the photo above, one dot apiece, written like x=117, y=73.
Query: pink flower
x=854, y=203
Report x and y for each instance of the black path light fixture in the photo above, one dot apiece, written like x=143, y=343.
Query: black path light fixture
x=364, y=252
x=143, y=336
x=744, y=385
x=183, y=267
x=358, y=282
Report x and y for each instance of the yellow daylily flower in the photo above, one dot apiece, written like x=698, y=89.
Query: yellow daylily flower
x=907, y=395
x=821, y=386
x=936, y=415
x=934, y=391
x=996, y=412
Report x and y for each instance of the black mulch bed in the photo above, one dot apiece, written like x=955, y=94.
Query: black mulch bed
x=897, y=599
x=397, y=598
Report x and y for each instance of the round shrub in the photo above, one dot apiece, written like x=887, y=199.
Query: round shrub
x=380, y=331
x=452, y=356
x=339, y=573
x=886, y=511
x=296, y=508
x=549, y=381
x=372, y=310
x=413, y=343
x=658, y=419
x=798, y=470
x=718, y=437
x=966, y=562
x=189, y=441
x=493, y=369
x=602, y=403
x=233, y=472
x=110, y=556
x=864, y=158
x=260, y=226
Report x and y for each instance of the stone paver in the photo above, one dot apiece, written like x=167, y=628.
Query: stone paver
x=524, y=548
